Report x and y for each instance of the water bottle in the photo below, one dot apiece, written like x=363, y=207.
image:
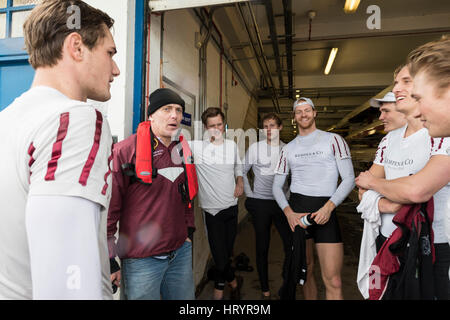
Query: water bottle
x=308, y=220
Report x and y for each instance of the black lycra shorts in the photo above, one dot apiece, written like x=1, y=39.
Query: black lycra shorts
x=327, y=233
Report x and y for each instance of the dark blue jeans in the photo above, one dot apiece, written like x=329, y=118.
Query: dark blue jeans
x=155, y=278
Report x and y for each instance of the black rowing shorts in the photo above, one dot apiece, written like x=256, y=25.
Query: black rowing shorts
x=327, y=233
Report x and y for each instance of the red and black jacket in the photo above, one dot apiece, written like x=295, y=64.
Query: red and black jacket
x=143, y=170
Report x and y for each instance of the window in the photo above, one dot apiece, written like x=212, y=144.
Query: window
x=12, y=16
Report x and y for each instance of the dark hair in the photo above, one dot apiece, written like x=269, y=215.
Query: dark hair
x=211, y=113
x=271, y=116
x=47, y=27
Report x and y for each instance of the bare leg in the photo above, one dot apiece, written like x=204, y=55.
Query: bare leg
x=218, y=294
x=331, y=257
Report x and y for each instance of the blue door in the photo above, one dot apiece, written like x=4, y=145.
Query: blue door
x=16, y=74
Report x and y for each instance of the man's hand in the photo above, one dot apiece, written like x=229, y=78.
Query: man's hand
x=388, y=206
x=116, y=277
x=322, y=215
x=361, y=191
x=239, y=190
x=365, y=180
x=293, y=218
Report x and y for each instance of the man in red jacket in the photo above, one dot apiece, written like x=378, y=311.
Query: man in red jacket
x=155, y=222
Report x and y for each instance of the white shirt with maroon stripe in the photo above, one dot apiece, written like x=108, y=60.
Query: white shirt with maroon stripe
x=402, y=157
x=441, y=146
x=315, y=162
x=51, y=145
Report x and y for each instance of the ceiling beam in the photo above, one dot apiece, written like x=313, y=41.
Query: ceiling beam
x=357, y=133
x=358, y=110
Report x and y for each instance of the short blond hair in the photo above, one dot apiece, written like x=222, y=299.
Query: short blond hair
x=433, y=58
x=47, y=27
x=398, y=69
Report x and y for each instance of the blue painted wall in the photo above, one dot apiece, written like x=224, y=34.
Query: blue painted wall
x=15, y=78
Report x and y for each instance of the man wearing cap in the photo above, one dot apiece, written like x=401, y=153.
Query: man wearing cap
x=412, y=167
x=392, y=120
x=155, y=223
x=372, y=205
x=389, y=116
x=316, y=159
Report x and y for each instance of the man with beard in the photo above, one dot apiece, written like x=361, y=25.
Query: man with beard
x=316, y=159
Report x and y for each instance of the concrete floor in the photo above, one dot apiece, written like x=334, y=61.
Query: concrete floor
x=351, y=227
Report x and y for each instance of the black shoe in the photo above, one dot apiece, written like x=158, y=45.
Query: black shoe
x=235, y=293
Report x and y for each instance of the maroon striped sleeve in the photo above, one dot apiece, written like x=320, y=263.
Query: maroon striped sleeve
x=345, y=146
x=57, y=147
x=31, y=151
x=281, y=159
x=382, y=154
x=94, y=150
x=105, y=187
x=339, y=148
x=440, y=144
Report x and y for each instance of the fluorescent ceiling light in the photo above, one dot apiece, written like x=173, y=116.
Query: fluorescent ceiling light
x=351, y=6
x=331, y=58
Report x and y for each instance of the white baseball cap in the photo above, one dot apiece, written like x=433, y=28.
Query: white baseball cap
x=303, y=101
x=388, y=98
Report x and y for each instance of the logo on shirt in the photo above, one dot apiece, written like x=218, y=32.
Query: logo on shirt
x=158, y=153
x=398, y=164
x=309, y=154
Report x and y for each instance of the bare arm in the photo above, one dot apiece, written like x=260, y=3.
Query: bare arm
x=416, y=188
x=384, y=205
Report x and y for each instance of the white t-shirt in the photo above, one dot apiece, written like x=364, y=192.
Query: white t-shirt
x=217, y=168
x=262, y=159
x=51, y=145
x=402, y=157
x=441, y=146
x=315, y=162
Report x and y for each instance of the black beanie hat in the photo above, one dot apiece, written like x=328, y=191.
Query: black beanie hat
x=161, y=97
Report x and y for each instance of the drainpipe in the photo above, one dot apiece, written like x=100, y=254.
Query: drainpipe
x=161, y=53
x=261, y=48
x=203, y=63
x=226, y=57
x=222, y=50
x=287, y=6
